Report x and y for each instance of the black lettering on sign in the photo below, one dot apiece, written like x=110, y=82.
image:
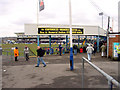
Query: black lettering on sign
x=60, y=31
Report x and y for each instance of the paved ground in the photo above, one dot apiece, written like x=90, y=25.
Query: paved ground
x=0, y=72
x=56, y=74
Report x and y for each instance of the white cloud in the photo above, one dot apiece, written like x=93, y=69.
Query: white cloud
x=13, y=14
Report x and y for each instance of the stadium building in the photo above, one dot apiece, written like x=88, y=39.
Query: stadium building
x=59, y=33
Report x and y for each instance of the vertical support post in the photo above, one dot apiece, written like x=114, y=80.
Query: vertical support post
x=102, y=21
x=38, y=38
x=110, y=84
x=98, y=41
x=90, y=39
x=82, y=73
x=101, y=14
x=66, y=41
x=108, y=37
x=71, y=58
x=78, y=39
x=107, y=45
x=71, y=48
x=37, y=23
x=37, y=13
x=93, y=39
x=50, y=43
x=86, y=39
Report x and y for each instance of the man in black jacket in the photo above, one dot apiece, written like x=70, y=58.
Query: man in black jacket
x=40, y=56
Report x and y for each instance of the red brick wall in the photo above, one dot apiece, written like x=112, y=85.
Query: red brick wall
x=111, y=41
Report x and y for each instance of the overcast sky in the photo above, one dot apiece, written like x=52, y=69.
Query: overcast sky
x=15, y=13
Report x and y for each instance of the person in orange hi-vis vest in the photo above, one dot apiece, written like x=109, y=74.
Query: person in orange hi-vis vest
x=16, y=53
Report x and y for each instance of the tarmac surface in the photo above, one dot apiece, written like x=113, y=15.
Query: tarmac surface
x=57, y=74
x=0, y=72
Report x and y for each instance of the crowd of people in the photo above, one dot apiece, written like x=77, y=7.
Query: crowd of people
x=40, y=54
x=89, y=49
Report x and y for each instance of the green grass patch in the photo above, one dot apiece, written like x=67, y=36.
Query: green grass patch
x=33, y=48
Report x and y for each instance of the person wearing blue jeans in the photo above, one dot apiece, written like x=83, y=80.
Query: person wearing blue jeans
x=40, y=57
x=89, y=56
x=75, y=49
x=60, y=49
x=89, y=50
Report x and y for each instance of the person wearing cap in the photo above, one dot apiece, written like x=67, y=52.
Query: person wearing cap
x=16, y=53
x=89, y=50
x=26, y=53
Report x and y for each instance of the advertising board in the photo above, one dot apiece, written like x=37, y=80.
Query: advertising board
x=60, y=31
x=115, y=46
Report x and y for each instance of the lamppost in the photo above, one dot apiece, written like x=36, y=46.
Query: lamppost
x=101, y=14
x=70, y=26
x=108, y=36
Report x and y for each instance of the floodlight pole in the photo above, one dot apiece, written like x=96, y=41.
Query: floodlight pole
x=70, y=26
x=108, y=36
x=101, y=14
x=38, y=37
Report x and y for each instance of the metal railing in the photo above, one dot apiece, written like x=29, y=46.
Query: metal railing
x=111, y=80
x=10, y=53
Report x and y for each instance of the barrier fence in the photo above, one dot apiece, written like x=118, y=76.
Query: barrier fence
x=52, y=51
x=111, y=80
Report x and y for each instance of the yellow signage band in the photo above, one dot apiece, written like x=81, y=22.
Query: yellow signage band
x=60, y=31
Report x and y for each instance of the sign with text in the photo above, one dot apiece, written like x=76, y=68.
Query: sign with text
x=60, y=31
